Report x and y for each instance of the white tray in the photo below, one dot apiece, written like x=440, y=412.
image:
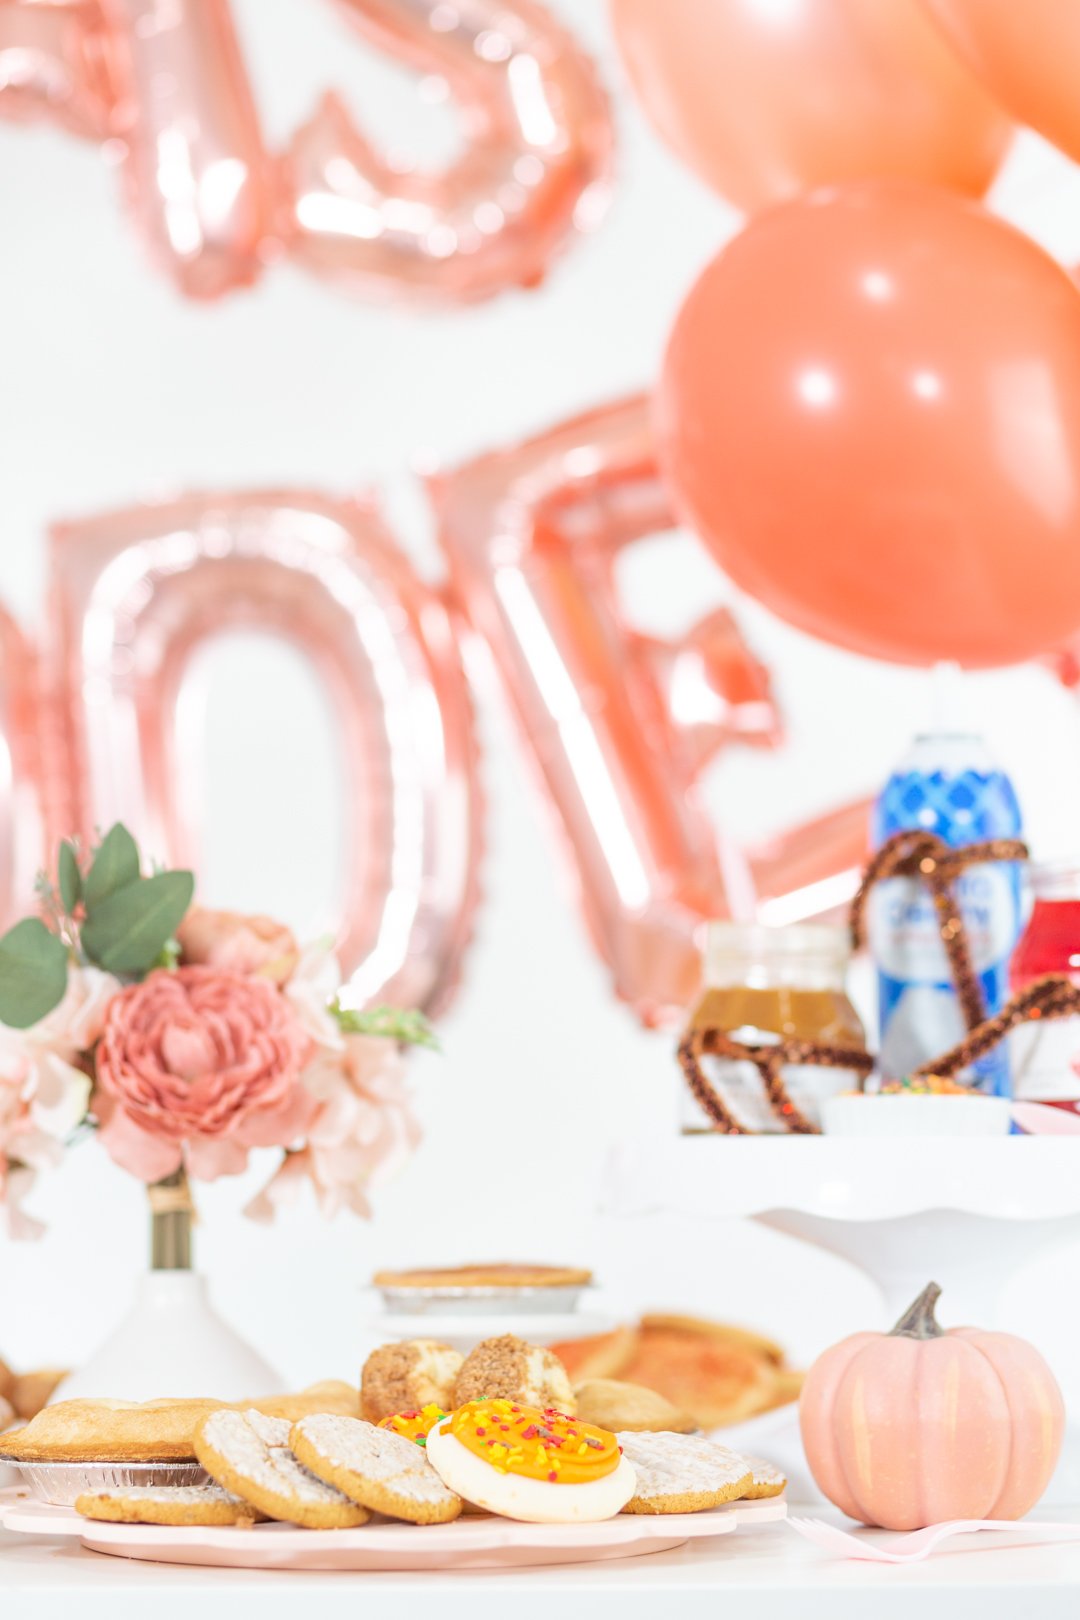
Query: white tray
x=468, y=1543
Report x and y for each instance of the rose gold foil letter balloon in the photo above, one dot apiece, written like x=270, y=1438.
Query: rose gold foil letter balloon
x=195, y=167
x=53, y=64
x=137, y=592
x=24, y=745
x=537, y=150
x=532, y=535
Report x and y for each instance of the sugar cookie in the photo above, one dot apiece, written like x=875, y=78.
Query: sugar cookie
x=765, y=1479
x=415, y=1426
x=382, y=1470
x=522, y=1463
x=163, y=1504
x=682, y=1473
x=248, y=1454
x=509, y=1369
x=404, y=1377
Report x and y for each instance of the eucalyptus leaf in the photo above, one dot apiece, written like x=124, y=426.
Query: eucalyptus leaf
x=70, y=877
x=33, y=973
x=115, y=866
x=126, y=932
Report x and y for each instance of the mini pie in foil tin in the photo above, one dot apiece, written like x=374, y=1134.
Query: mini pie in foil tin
x=61, y=1482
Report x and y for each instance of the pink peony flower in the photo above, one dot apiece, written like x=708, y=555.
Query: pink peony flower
x=363, y=1130
x=197, y=1067
x=241, y=944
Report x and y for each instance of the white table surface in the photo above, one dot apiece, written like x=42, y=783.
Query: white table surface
x=765, y=1573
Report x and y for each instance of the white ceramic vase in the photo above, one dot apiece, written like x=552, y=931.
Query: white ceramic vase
x=172, y=1342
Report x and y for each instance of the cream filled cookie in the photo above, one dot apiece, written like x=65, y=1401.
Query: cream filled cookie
x=509, y=1369
x=523, y=1463
x=404, y=1377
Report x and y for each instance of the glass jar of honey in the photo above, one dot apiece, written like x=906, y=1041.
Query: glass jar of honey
x=771, y=984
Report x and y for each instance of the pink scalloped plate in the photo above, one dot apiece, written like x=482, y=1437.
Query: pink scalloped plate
x=468, y=1543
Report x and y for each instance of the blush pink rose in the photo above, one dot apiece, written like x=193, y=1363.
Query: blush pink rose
x=197, y=1067
x=242, y=944
x=363, y=1131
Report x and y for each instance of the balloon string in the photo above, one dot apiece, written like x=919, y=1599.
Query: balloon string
x=769, y=1059
x=925, y=855
x=1053, y=996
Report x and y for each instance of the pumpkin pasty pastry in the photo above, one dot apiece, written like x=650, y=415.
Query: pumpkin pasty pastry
x=611, y=1404
x=407, y=1376
x=716, y=1378
x=329, y=1396
x=509, y=1369
x=110, y=1431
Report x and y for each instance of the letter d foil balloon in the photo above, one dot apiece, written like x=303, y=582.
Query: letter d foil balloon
x=136, y=593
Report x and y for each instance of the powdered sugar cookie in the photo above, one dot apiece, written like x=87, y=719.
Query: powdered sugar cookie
x=167, y=1504
x=404, y=1377
x=508, y=1369
x=765, y=1479
x=384, y=1471
x=681, y=1473
x=249, y=1455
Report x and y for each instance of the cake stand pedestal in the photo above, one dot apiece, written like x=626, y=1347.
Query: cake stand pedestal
x=970, y=1214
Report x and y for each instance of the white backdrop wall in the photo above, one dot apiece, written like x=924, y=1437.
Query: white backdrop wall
x=113, y=389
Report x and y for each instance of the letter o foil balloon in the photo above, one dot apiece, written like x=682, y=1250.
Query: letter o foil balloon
x=870, y=411
x=135, y=594
x=24, y=736
x=535, y=163
x=768, y=98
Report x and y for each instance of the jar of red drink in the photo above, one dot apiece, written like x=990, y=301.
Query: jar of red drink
x=1044, y=1055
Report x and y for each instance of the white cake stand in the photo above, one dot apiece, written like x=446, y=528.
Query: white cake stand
x=971, y=1214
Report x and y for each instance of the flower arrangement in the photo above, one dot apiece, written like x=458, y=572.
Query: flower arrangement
x=184, y=1037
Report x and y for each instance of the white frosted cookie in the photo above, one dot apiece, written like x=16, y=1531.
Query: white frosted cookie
x=682, y=1473
x=382, y=1470
x=249, y=1455
x=765, y=1479
x=167, y=1504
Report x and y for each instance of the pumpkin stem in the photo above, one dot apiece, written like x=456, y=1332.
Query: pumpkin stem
x=919, y=1321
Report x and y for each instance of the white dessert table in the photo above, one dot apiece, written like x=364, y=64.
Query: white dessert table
x=771, y=1574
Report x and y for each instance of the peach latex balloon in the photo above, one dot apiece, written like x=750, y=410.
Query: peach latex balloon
x=535, y=163
x=765, y=100
x=870, y=411
x=136, y=593
x=1026, y=54
x=54, y=65
x=198, y=178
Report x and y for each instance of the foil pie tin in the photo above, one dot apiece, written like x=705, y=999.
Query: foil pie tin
x=61, y=1482
x=454, y=1300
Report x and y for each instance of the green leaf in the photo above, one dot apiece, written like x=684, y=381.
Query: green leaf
x=115, y=866
x=33, y=973
x=126, y=932
x=404, y=1024
x=70, y=877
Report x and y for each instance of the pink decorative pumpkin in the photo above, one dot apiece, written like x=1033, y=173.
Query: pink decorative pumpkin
x=915, y=1426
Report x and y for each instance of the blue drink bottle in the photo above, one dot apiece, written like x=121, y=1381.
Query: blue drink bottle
x=948, y=784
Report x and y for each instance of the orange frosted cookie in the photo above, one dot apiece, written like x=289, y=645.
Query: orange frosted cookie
x=415, y=1425
x=539, y=1466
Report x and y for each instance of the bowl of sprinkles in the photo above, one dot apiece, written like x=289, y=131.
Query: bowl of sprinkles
x=917, y=1105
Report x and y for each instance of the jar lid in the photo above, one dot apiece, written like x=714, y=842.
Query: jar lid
x=727, y=940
